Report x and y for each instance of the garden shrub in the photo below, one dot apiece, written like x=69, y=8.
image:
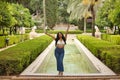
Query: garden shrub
x=112, y=38
x=63, y=31
x=56, y=31
x=112, y=59
x=15, y=59
x=13, y=39
x=106, y=51
x=2, y=41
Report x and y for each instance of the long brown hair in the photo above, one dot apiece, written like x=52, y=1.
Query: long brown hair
x=57, y=38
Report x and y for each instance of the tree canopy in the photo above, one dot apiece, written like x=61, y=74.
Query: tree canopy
x=14, y=15
x=109, y=14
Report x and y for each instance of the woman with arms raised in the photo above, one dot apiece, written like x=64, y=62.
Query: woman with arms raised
x=60, y=41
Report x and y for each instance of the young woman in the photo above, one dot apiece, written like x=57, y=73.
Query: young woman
x=60, y=41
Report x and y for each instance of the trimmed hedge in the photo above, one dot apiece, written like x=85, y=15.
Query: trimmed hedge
x=38, y=31
x=69, y=32
x=112, y=38
x=13, y=39
x=106, y=51
x=15, y=59
x=56, y=31
x=2, y=41
x=90, y=31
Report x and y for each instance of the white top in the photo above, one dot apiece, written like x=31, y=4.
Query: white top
x=60, y=42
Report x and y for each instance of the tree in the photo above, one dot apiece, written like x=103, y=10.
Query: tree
x=108, y=15
x=36, y=6
x=81, y=9
x=63, y=16
x=102, y=15
x=114, y=14
x=21, y=15
x=13, y=16
x=51, y=12
x=6, y=19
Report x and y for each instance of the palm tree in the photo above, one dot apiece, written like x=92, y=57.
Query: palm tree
x=83, y=9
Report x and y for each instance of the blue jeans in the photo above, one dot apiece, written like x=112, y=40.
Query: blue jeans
x=59, y=54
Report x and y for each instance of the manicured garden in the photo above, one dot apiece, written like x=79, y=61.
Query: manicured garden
x=15, y=59
x=106, y=51
x=13, y=39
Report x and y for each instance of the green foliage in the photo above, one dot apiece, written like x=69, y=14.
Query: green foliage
x=70, y=32
x=21, y=14
x=13, y=39
x=56, y=31
x=109, y=14
x=62, y=11
x=33, y=5
x=102, y=19
x=15, y=59
x=12, y=15
x=2, y=41
x=111, y=58
x=111, y=38
x=114, y=15
x=106, y=51
x=51, y=12
x=36, y=5
x=5, y=17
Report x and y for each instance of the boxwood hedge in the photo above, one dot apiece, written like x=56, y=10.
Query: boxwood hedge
x=2, y=41
x=15, y=59
x=56, y=31
x=63, y=31
x=106, y=51
x=13, y=39
x=111, y=38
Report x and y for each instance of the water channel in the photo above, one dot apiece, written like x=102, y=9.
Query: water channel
x=75, y=62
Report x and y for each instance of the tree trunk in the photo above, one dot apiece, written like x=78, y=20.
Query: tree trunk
x=93, y=20
x=44, y=11
x=15, y=30
x=115, y=30
x=3, y=31
x=10, y=30
x=84, y=25
x=119, y=30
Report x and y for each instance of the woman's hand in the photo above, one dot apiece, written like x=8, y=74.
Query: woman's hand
x=68, y=27
x=45, y=32
x=49, y=35
x=67, y=31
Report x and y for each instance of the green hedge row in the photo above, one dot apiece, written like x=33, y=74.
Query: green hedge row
x=90, y=31
x=112, y=38
x=70, y=32
x=56, y=31
x=15, y=59
x=106, y=51
x=38, y=31
x=13, y=39
x=2, y=41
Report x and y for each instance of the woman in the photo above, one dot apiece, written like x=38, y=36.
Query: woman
x=59, y=50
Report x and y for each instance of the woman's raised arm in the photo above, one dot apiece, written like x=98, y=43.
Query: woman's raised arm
x=67, y=31
x=50, y=35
